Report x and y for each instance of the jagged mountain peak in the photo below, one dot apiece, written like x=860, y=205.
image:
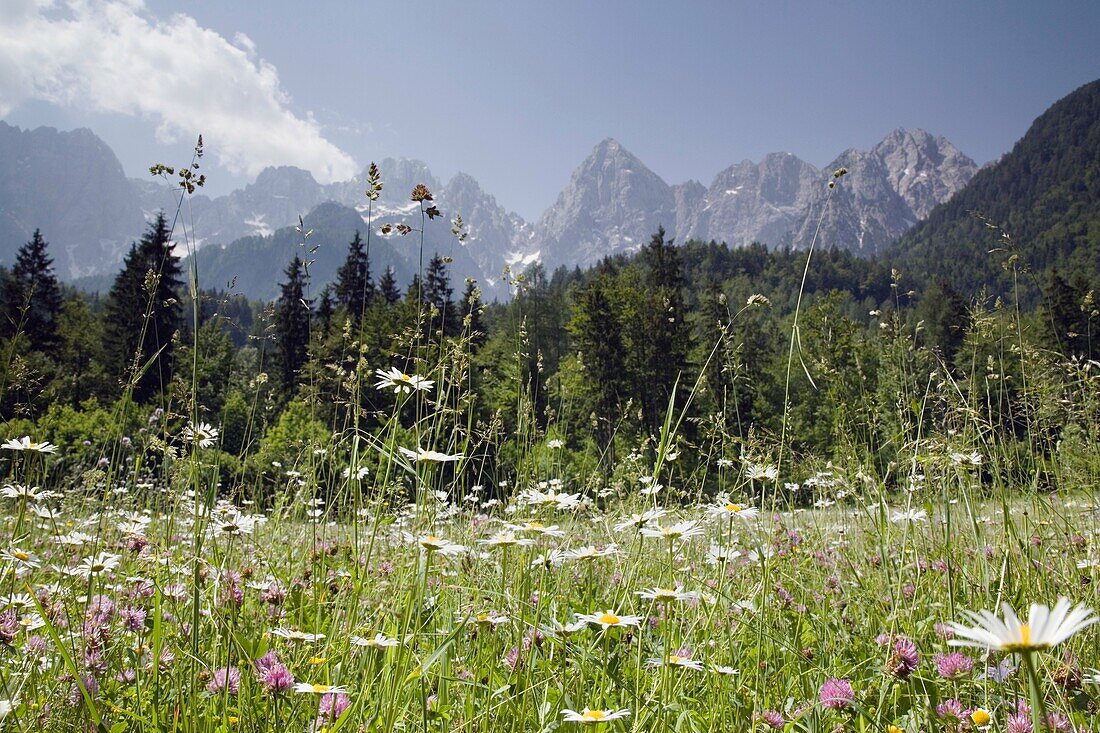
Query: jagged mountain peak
x=274, y=176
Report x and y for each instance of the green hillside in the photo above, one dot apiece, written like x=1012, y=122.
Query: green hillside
x=1040, y=202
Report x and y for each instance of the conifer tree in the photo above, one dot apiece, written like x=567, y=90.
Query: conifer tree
x=143, y=313
x=439, y=295
x=354, y=289
x=669, y=338
x=32, y=297
x=326, y=309
x=388, y=287
x=596, y=335
x=292, y=316
x=473, y=322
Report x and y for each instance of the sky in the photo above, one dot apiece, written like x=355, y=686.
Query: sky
x=518, y=92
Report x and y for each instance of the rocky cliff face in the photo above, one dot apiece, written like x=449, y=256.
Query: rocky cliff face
x=72, y=187
x=613, y=204
x=887, y=190
x=754, y=202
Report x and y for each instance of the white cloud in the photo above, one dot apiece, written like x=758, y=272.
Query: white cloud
x=112, y=56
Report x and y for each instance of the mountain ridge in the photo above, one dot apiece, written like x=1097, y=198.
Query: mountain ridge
x=612, y=203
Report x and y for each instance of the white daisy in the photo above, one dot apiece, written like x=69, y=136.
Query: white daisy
x=589, y=716
x=399, y=382
x=1044, y=629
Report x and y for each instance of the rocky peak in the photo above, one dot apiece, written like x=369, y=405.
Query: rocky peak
x=923, y=169
x=401, y=175
x=613, y=203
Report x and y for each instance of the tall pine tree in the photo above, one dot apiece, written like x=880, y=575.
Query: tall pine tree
x=32, y=297
x=388, y=287
x=143, y=313
x=292, y=316
x=439, y=296
x=354, y=289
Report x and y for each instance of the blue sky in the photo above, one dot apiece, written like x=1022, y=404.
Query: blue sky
x=517, y=93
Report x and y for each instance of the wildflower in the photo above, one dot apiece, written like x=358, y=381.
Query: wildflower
x=536, y=527
x=999, y=672
x=773, y=718
x=904, y=659
x=26, y=493
x=102, y=562
x=951, y=710
x=909, y=516
x=760, y=472
x=589, y=716
x=226, y=680
x=20, y=557
x=555, y=443
x=637, y=521
x=953, y=666
x=332, y=706
x=319, y=689
x=399, y=382
x=608, y=618
x=431, y=543
x=966, y=459
x=1045, y=628
x=591, y=552
x=379, y=641
x=680, y=658
x=667, y=595
x=724, y=670
x=238, y=524
x=429, y=455
x=204, y=435
x=506, y=539
x=421, y=193
x=981, y=718
x=731, y=509
x=26, y=444
x=273, y=675
x=836, y=694
x=298, y=636
x=678, y=531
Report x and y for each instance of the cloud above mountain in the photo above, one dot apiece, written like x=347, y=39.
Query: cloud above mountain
x=113, y=56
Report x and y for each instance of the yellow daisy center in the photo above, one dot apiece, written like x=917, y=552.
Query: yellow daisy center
x=320, y=688
x=1025, y=634
x=20, y=555
x=593, y=715
x=609, y=619
x=980, y=717
x=733, y=507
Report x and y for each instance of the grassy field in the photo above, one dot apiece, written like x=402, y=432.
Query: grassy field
x=143, y=606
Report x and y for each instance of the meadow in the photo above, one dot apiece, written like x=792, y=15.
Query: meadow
x=406, y=602
x=376, y=572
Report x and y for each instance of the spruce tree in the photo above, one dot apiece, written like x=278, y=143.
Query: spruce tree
x=473, y=314
x=354, y=289
x=596, y=330
x=143, y=313
x=669, y=338
x=326, y=309
x=439, y=295
x=292, y=316
x=388, y=287
x=32, y=297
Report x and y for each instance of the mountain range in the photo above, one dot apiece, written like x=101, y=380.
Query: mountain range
x=71, y=185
